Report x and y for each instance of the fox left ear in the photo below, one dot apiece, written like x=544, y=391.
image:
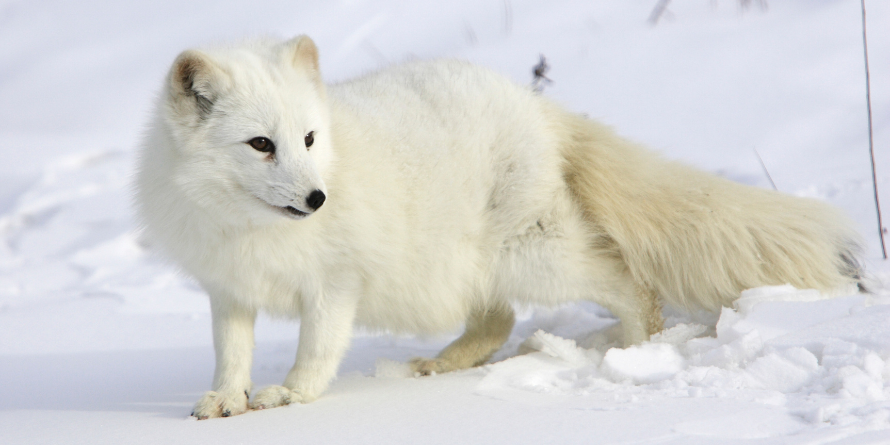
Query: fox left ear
x=303, y=55
x=195, y=81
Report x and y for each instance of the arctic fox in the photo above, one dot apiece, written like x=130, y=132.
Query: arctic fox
x=432, y=195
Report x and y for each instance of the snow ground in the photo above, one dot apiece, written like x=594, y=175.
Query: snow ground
x=102, y=343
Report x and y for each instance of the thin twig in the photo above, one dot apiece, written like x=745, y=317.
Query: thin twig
x=658, y=11
x=508, y=17
x=765, y=170
x=871, y=141
x=539, y=73
x=375, y=53
x=471, y=34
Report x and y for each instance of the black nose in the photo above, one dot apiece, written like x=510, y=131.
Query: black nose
x=315, y=199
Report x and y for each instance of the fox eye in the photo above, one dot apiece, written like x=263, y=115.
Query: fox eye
x=262, y=144
x=309, y=139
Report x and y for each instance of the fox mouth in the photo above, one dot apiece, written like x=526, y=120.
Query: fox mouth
x=288, y=211
x=293, y=212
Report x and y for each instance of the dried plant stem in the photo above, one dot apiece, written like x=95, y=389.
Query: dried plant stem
x=871, y=141
x=658, y=11
x=765, y=171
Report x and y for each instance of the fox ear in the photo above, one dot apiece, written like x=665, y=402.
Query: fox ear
x=195, y=82
x=303, y=55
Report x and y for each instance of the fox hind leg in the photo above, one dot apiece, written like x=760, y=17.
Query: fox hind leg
x=639, y=311
x=486, y=331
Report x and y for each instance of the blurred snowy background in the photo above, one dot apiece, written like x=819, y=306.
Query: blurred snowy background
x=102, y=343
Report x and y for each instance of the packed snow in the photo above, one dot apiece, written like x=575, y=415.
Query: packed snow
x=103, y=342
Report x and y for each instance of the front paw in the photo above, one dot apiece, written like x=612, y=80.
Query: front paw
x=275, y=396
x=220, y=404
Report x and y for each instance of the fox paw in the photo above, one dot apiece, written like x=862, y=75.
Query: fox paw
x=220, y=404
x=275, y=396
x=430, y=366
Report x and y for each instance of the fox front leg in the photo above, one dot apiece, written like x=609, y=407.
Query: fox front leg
x=325, y=333
x=233, y=343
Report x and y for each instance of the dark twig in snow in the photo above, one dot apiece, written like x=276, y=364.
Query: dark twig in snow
x=871, y=141
x=660, y=10
x=540, y=72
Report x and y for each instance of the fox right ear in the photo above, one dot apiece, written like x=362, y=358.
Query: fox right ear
x=304, y=56
x=195, y=82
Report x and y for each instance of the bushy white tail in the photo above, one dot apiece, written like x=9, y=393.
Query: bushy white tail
x=695, y=239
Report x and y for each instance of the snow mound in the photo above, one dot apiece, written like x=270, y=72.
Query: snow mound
x=647, y=363
x=757, y=355
x=554, y=347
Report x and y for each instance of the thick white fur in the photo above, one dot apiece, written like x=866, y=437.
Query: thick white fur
x=451, y=195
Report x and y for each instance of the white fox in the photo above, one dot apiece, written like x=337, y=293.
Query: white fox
x=432, y=195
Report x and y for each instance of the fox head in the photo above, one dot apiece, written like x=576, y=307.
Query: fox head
x=250, y=130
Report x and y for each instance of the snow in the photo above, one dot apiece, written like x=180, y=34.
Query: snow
x=102, y=342
x=756, y=356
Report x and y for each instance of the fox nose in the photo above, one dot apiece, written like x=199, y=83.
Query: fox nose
x=315, y=199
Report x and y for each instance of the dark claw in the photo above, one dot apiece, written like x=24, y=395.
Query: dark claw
x=246, y=394
x=192, y=414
